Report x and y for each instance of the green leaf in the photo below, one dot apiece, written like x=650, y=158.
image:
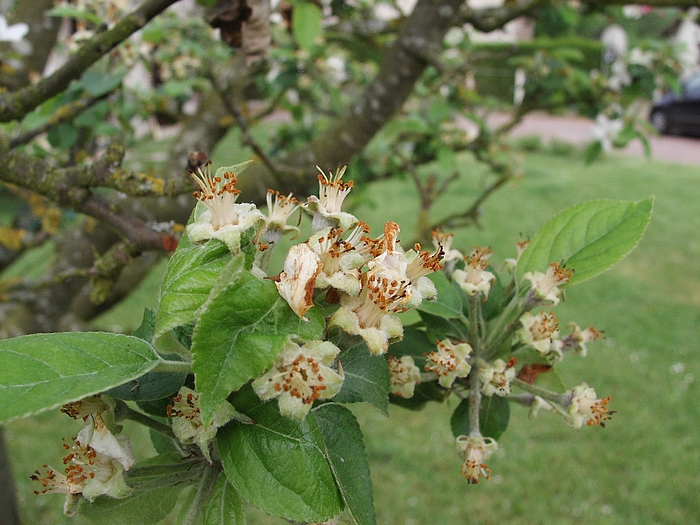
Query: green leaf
x=241, y=330
x=63, y=136
x=44, y=371
x=93, y=116
x=589, y=238
x=415, y=343
x=552, y=381
x=306, y=23
x=225, y=506
x=67, y=11
x=423, y=393
x=367, y=377
x=439, y=328
x=493, y=417
x=161, y=443
x=98, y=84
x=448, y=303
x=156, y=407
x=345, y=452
x=592, y=152
x=189, y=277
x=278, y=464
x=151, y=386
x=145, y=508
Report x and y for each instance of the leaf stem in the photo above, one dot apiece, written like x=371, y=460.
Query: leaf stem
x=173, y=366
x=560, y=399
x=124, y=411
x=474, y=383
x=206, y=487
x=169, y=344
x=474, y=315
x=474, y=401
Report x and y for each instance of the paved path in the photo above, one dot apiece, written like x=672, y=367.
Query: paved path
x=577, y=130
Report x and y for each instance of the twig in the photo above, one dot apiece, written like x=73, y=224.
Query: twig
x=248, y=139
x=63, y=114
x=16, y=105
x=130, y=227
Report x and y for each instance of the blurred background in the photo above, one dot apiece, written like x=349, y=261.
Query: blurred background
x=484, y=119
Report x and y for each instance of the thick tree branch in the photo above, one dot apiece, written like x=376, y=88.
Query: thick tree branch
x=68, y=186
x=490, y=19
x=71, y=188
x=16, y=105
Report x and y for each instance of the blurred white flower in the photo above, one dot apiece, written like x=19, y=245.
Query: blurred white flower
x=12, y=33
x=605, y=130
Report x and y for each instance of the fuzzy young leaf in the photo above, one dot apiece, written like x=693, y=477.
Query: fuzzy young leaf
x=278, y=464
x=589, y=238
x=44, y=371
x=241, y=330
x=367, y=378
x=345, y=452
x=191, y=273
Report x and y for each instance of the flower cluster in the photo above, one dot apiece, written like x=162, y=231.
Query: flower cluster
x=449, y=362
x=188, y=426
x=486, y=338
x=405, y=375
x=300, y=376
x=476, y=450
x=96, y=459
x=372, y=279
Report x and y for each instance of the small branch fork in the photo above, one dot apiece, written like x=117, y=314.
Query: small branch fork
x=247, y=137
x=16, y=105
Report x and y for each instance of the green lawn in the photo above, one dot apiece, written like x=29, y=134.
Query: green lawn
x=641, y=469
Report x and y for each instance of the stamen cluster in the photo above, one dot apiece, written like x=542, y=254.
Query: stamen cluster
x=217, y=194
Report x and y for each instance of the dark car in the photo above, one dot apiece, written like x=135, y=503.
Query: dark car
x=679, y=113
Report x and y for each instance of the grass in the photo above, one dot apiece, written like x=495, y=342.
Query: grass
x=641, y=469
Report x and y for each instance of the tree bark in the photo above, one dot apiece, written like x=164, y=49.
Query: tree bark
x=9, y=511
x=405, y=61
